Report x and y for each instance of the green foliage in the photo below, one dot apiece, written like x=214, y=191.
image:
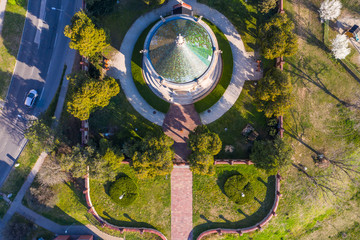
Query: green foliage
x=108, y=166
x=100, y=7
x=154, y=2
x=277, y=37
x=90, y=95
x=273, y=93
x=152, y=156
x=76, y=162
x=239, y=189
x=202, y=163
x=40, y=136
x=266, y=5
x=271, y=156
x=202, y=140
x=205, y=145
x=126, y=188
x=89, y=40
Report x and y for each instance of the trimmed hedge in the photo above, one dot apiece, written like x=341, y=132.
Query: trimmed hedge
x=125, y=187
x=239, y=189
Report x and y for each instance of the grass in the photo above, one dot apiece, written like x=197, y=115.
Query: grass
x=243, y=15
x=136, y=69
x=124, y=15
x=225, y=79
x=120, y=117
x=18, y=175
x=4, y=206
x=10, y=41
x=213, y=209
x=49, y=114
x=150, y=209
x=36, y=232
x=70, y=207
x=242, y=113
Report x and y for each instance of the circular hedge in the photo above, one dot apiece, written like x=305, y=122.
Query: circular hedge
x=123, y=188
x=239, y=189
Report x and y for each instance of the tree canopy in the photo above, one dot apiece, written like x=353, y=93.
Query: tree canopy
x=85, y=36
x=330, y=9
x=340, y=47
x=40, y=136
x=205, y=145
x=152, y=156
x=277, y=37
x=266, y=5
x=77, y=161
x=91, y=94
x=107, y=167
x=271, y=155
x=273, y=93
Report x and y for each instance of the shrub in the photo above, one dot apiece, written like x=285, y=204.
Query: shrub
x=125, y=187
x=239, y=189
x=41, y=197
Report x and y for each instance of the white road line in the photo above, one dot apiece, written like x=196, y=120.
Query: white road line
x=40, y=24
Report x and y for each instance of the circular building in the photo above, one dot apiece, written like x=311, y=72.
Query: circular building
x=182, y=61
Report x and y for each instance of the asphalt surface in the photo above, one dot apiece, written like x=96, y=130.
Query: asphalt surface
x=40, y=61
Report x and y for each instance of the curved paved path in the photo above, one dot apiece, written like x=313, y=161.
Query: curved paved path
x=244, y=65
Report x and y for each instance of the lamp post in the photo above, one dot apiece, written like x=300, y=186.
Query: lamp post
x=66, y=230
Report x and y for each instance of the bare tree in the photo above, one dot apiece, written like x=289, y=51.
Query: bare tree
x=51, y=172
x=340, y=47
x=330, y=9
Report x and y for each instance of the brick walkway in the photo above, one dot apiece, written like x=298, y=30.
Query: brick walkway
x=179, y=121
x=181, y=203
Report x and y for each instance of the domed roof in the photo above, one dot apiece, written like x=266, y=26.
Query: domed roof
x=180, y=50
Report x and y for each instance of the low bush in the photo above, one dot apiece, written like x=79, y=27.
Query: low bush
x=123, y=191
x=239, y=189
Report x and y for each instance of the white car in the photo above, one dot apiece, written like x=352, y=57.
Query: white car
x=30, y=98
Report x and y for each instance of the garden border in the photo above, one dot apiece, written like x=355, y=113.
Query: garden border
x=255, y=227
x=111, y=226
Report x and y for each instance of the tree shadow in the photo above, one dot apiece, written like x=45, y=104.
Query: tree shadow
x=131, y=223
x=221, y=180
x=249, y=220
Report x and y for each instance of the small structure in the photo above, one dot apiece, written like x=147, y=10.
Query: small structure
x=250, y=133
x=182, y=8
x=354, y=32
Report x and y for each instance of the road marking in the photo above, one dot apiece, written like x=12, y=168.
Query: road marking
x=40, y=24
x=42, y=91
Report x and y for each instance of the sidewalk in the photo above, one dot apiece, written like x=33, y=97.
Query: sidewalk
x=2, y=13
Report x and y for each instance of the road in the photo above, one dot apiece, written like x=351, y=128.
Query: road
x=42, y=54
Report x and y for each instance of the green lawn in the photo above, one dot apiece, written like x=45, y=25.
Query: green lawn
x=70, y=207
x=213, y=209
x=243, y=15
x=225, y=79
x=150, y=209
x=242, y=113
x=120, y=117
x=10, y=41
x=18, y=175
x=141, y=85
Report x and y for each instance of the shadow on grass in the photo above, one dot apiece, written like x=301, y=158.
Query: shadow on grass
x=131, y=223
x=223, y=177
x=249, y=220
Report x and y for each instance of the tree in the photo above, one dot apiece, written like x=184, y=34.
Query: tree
x=202, y=163
x=202, y=140
x=89, y=40
x=271, y=155
x=16, y=230
x=91, y=95
x=154, y=2
x=330, y=9
x=340, y=47
x=277, y=37
x=273, y=93
x=42, y=196
x=153, y=156
x=205, y=145
x=108, y=166
x=40, y=136
x=77, y=161
x=51, y=172
x=266, y=5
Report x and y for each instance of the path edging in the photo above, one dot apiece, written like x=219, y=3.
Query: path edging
x=257, y=226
